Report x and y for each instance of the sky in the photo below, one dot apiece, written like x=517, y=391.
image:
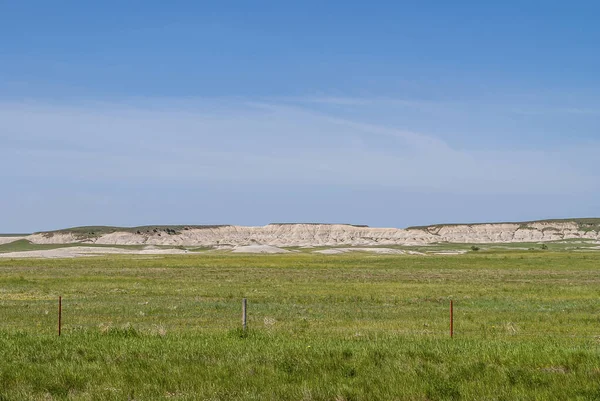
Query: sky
x=389, y=114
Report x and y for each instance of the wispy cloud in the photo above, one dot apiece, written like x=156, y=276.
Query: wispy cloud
x=551, y=110
x=247, y=141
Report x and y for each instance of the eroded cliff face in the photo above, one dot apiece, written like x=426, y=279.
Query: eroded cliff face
x=335, y=235
x=499, y=233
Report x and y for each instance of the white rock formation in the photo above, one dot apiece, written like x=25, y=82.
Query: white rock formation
x=309, y=235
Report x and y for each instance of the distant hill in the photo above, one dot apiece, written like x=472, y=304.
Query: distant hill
x=101, y=230
x=316, y=234
x=589, y=223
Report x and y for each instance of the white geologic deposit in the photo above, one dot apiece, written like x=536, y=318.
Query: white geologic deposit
x=258, y=249
x=313, y=235
x=81, y=251
x=381, y=251
x=272, y=234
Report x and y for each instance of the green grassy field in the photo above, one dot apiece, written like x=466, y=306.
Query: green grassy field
x=337, y=327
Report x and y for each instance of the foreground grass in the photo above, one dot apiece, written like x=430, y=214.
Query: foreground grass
x=123, y=365
x=344, y=327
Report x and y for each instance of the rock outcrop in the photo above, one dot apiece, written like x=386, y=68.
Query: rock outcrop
x=287, y=235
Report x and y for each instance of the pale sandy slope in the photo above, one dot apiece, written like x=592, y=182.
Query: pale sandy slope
x=82, y=251
x=8, y=240
x=380, y=251
x=258, y=249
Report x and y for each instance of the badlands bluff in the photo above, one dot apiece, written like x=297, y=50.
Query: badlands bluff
x=309, y=235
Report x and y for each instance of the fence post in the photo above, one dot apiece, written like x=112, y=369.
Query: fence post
x=451, y=319
x=244, y=314
x=59, y=314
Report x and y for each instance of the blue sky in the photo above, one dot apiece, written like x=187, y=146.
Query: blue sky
x=387, y=114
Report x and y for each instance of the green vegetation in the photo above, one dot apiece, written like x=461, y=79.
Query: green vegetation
x=588, y=224
x=96, y=231
x=338, y=327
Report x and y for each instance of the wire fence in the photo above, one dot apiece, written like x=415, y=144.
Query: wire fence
x=67, y=315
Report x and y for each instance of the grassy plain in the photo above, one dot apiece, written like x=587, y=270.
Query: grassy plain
x=335, y=327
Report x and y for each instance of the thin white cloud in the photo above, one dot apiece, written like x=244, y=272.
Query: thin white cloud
x=241, y=141
x=551, y=111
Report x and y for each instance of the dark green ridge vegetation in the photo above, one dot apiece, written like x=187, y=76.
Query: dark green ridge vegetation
x=321, y=327
x=92, y=231
x=585, y=224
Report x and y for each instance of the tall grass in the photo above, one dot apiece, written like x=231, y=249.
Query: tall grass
x=348, y=327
